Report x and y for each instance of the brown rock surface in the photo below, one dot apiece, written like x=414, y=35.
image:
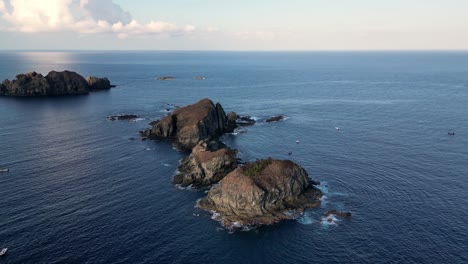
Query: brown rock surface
x=208, y=163
x=186, y=126
x=261, y=192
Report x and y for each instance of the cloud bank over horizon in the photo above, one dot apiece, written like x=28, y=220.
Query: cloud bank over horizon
x=80, y=16
x=230, y=25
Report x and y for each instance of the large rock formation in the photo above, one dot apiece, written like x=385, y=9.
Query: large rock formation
x=208, y=163
x=54, y=83
x=186, y=126
x=262, y=192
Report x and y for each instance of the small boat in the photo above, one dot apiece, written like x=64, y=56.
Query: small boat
x=297, y=141
x=4, y=170
x=337, y=128
x=3, y=252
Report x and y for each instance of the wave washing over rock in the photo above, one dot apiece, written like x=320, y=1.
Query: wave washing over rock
x=54, y=83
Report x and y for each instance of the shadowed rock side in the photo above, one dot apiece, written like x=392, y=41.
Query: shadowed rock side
x=261, y=193
x=54, y=83
x=186, y=126
x=208, y=163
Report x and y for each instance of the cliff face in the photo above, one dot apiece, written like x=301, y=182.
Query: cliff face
x=261, y=193
x=208, y=163
x=188, y=125
x=54, y=83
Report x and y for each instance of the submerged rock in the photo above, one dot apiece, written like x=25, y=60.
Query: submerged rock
x=54, y=83
x=186, y=126
x=208, y=163
x=262, y=192
x=275, y=119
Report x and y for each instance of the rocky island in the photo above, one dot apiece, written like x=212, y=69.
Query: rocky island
x=262, y=192
x=188, y=125
x=54, y=83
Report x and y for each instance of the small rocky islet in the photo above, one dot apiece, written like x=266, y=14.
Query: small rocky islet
x=242, y=194
x=55, y=83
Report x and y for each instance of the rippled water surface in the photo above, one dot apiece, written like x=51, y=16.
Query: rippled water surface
x=79, y=191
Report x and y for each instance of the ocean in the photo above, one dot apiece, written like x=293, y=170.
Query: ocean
x=80, y=191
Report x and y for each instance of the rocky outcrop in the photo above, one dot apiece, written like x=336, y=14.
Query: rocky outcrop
x=337, y=213
x=231, y=123
x=165, y=78
x=54, y=83
x=123, y=117
x=245, y=121
x=208, y=163
x=186, y=126
x=275, y=119
x=262, y=192
x=96, y=84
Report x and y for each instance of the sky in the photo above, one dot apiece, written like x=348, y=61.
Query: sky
x=234, y=25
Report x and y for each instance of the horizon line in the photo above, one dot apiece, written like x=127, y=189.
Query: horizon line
x=221, y=50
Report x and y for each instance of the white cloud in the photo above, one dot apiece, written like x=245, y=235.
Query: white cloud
x=80, y=16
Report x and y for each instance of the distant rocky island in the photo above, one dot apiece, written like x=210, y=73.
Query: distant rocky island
x=54, y=83
x=251, y=194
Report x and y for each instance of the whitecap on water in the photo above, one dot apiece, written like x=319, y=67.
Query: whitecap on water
x=306, y=219
x=330, y=220
x=323, y=200
x=323, y=187
x=215, y=216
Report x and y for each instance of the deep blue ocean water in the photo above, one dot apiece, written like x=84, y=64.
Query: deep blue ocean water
x=79, y=191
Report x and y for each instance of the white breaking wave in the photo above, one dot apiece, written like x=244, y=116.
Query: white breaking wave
x=306, y=219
